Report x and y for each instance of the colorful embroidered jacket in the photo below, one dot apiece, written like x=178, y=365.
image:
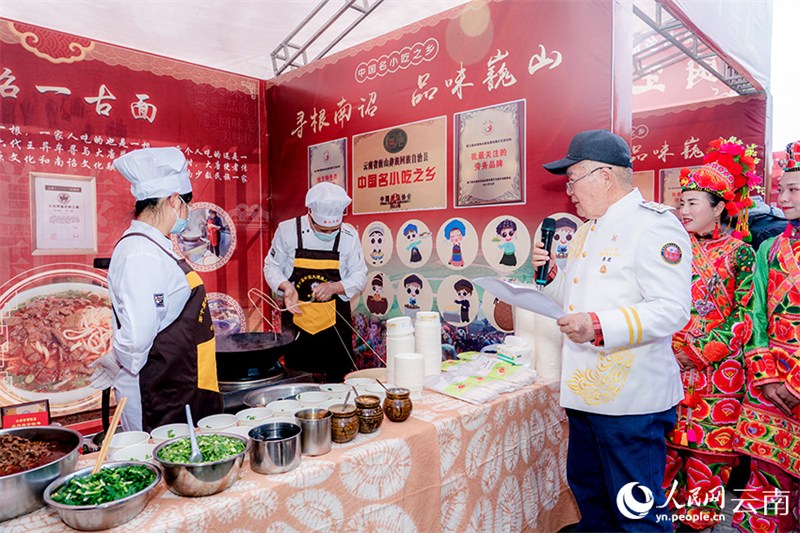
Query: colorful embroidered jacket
x=763, y=431
x=722, y=292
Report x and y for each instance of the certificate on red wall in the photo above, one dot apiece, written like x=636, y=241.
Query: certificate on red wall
x=490, y=155
x=328, y=162
x=403, y=168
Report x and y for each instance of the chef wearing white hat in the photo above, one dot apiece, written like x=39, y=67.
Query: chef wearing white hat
x=317, y=262
x=164, y=353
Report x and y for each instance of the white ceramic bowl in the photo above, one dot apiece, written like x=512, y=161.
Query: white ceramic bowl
x=243, y=430
x=335, y=390
x=285, y=407
x=124, y=439
x=140, y=452
x=313, y=398
x=253, y=416
x=360, y=383
x=377, y=390
x=216, y=423
x=169, y=431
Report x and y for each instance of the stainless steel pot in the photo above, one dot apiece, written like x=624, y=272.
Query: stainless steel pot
x=261, y=397
x=275, y=447
x=22, y=493
x=316, y=425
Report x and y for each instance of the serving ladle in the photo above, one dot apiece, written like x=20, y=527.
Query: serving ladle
x=197, y=455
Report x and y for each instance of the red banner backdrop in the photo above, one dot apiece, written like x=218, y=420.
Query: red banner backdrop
x=71, y=105
x=677, y=137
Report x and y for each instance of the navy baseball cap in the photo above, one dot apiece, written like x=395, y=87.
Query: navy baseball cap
x=597, y=145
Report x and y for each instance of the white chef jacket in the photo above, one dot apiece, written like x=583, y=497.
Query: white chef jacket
x=279, y=263
x=148, y=291
x=632, y=267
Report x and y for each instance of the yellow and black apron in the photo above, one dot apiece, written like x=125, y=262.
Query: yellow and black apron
x=324, y=344
x=181, y=367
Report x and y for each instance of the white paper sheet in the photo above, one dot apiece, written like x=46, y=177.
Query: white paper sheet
x=525, y=296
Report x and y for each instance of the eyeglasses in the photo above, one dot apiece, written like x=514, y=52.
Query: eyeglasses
x=571, y=183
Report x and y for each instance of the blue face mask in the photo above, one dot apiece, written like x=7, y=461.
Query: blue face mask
x=327, y=237
x=180, y=223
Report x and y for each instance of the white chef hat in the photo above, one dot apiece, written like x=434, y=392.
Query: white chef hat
x=155, y=172
x=327, y=203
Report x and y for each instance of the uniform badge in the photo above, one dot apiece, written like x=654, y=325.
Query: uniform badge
x=159, y=299
x=671, y=253
x=657, y=207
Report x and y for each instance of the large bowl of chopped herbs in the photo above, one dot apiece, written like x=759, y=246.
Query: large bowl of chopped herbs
x=223, y=455
x=112, y=496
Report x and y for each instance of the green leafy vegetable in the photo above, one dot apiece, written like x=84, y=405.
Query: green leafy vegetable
x=108, y=485
x=170, y=434
x=213, y=448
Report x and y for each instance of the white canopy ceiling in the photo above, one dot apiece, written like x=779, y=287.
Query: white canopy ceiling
x=232, y=35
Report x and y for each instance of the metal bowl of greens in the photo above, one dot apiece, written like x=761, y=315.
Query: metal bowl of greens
x=113, y=496
x=223, y=455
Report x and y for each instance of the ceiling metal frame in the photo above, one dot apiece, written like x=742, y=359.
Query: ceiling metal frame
x=666, y=32
x=293, y=55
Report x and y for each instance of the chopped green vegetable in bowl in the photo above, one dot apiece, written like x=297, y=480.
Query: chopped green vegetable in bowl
x=108, y=485
x=213, y=447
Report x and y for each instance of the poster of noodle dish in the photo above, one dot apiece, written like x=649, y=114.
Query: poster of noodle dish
x=53, y=325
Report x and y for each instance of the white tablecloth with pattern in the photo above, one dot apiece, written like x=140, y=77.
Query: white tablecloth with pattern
x=451, y=467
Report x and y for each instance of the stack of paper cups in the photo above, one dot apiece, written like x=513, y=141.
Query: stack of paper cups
x=409, y=372
x=428, y=341
x=525, y=329
x=548, y=347
x=399, y=339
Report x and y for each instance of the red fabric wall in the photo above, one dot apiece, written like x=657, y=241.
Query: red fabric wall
x=214, y=117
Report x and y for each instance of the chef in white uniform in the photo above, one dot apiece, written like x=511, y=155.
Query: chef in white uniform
x=164, y=353
x=317, y=261
x=626, y=289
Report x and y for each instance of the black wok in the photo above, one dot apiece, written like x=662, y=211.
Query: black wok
x=250, y=356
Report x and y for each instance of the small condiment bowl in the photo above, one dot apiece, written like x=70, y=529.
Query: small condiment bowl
x=335, y=390
x=243, y=431
x=139, y=452
x=127, y=438
x=253, y=416
x=169, y=431
x=285, y=407
x=105, y=515
x=313, y=398
x=216, y=423
x=360, y=383
x=344, y=422
x=370, y=413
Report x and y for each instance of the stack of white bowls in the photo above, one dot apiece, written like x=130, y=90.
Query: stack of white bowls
x=428, y=341
x=399, y=339
x=409, y=372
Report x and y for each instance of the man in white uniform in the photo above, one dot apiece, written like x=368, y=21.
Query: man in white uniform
x=626, y=289
x=317, y=261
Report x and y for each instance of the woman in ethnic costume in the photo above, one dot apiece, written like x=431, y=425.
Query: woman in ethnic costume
x=769, y=426
x=700, y=455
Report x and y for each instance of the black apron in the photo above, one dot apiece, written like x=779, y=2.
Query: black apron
x=181, y=367
x=324, y=344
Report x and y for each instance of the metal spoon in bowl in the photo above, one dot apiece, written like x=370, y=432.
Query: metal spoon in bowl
x=197, y=455
x=346, y=398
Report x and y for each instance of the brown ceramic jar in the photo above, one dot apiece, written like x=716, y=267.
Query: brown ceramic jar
x=397, y=404
x=344, y=424
x=370, y=414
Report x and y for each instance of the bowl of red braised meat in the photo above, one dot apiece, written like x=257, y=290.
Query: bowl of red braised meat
x=30, y=459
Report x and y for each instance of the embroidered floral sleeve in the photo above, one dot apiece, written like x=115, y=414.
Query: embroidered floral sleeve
x=728, y=336
x=760, y=362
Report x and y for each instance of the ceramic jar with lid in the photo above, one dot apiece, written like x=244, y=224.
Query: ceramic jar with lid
x=370, y=413
x=397, y=404
x=344, y=424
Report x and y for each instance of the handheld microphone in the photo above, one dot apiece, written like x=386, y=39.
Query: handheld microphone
x=548, y=231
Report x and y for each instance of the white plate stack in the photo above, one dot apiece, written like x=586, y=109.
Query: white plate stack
x=549, y=342
x=399, y=339
x=428, y=341
x=409, y=372
x=525, y=329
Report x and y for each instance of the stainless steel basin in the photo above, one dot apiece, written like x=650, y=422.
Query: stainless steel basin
x=261, y=397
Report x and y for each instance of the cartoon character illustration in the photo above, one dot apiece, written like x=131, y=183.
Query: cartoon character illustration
x=376, y=240
x=565, y=229
x=506, y=231
x=376, y=302
x=454, y=232
x=413, y=285
x=464, y=290
x=411, y=232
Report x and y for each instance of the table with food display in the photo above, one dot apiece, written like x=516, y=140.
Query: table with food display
x=450, y=466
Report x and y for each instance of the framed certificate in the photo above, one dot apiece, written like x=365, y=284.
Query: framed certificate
x=64, y=214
